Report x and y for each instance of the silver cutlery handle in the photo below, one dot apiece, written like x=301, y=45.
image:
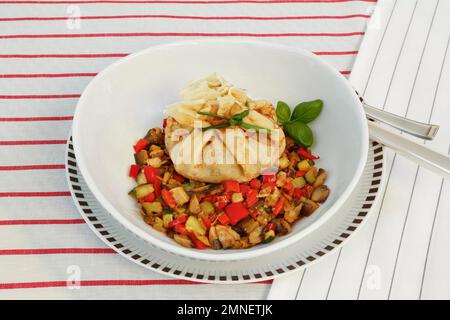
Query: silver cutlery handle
x=417, y=152
x=419, y=129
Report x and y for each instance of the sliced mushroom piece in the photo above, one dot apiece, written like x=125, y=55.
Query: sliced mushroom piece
x=255, y=236
x=194, y=205
x=249, y=225
x=320, y=179
x=293, y=214
x=214, y=238
x=320, y=194
x=141, y=157
x=309, y=207
x=227, y=236
x=182, y=240
x=286, y=226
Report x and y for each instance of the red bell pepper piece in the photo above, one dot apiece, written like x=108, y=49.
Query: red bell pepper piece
x=244, y=188
x=141, y=144
x=236, y=212
x=299, y=192
x=269, y=177
x=168, y=198
x=222, y=200
x=271, y=226
x=181, y=219
x=134, y=170
x=181, y=229
x=157, y=187
x=207, y=222
x=210, y=198
x=231, y=186
x=223, y=219
x=150, y=174
x=288, y=186
x=252, y=198
x=178, y=177
x=278, y=207
x=148, y=198
x=255, y=184
x=306, y=154
x=164, y=123
x=271, y=185
x=300, y=173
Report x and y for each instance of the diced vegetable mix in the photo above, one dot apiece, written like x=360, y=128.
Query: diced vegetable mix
x=230, y=215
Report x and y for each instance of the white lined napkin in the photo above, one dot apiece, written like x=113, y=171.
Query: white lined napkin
x=401, y=253
x=45, y=63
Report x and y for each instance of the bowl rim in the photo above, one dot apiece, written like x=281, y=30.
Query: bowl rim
x=221, y=255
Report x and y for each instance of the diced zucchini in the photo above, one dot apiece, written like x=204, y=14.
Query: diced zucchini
x=193, y=225
x=311, y=175
x=303, y=165
x=140, y=179
x=299, y=182
x=207, y=207
x=141, y=157
x=143, y=190
x=180, y=196
x=269, y=236
x=237, y=197
x=152, y=207
x=167, y=218
x=189, y=186
x=284, y=162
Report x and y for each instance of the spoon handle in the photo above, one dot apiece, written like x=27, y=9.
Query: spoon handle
x=419, y=129
x=417, y=152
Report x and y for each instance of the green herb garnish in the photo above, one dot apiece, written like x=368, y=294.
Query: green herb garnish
x=295, y=125
x=236, y=120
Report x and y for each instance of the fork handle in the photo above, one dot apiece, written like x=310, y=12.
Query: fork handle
x=419, y=129
x=419, y=153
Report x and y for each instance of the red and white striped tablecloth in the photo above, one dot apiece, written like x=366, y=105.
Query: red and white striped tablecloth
x=49, y=51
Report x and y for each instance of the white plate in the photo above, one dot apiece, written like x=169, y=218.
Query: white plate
x=126, y=99
x=329, y=236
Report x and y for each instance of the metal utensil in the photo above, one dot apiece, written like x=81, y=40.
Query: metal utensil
x=417, y=152
x=419, y=129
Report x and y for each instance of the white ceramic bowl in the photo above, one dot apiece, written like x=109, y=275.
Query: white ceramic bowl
x=126, y=99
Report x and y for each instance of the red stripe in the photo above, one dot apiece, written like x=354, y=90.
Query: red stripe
x=120, y=55
x=48, y=75
x=345, y=72
x=33, y=167
x=103, y=283
x=11, y=252
x=180, y=34
x=35, y=194
x=180, y=2
x=39, y=222
x=78, y=55
x=178, y=17
x=40, y=96
x=19, y=119
x=96, y=283
x=335, y=53
x=31, y=142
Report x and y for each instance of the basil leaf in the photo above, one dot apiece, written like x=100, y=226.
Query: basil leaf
x=307, y=111
x=300, y=132
x=283, y=112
